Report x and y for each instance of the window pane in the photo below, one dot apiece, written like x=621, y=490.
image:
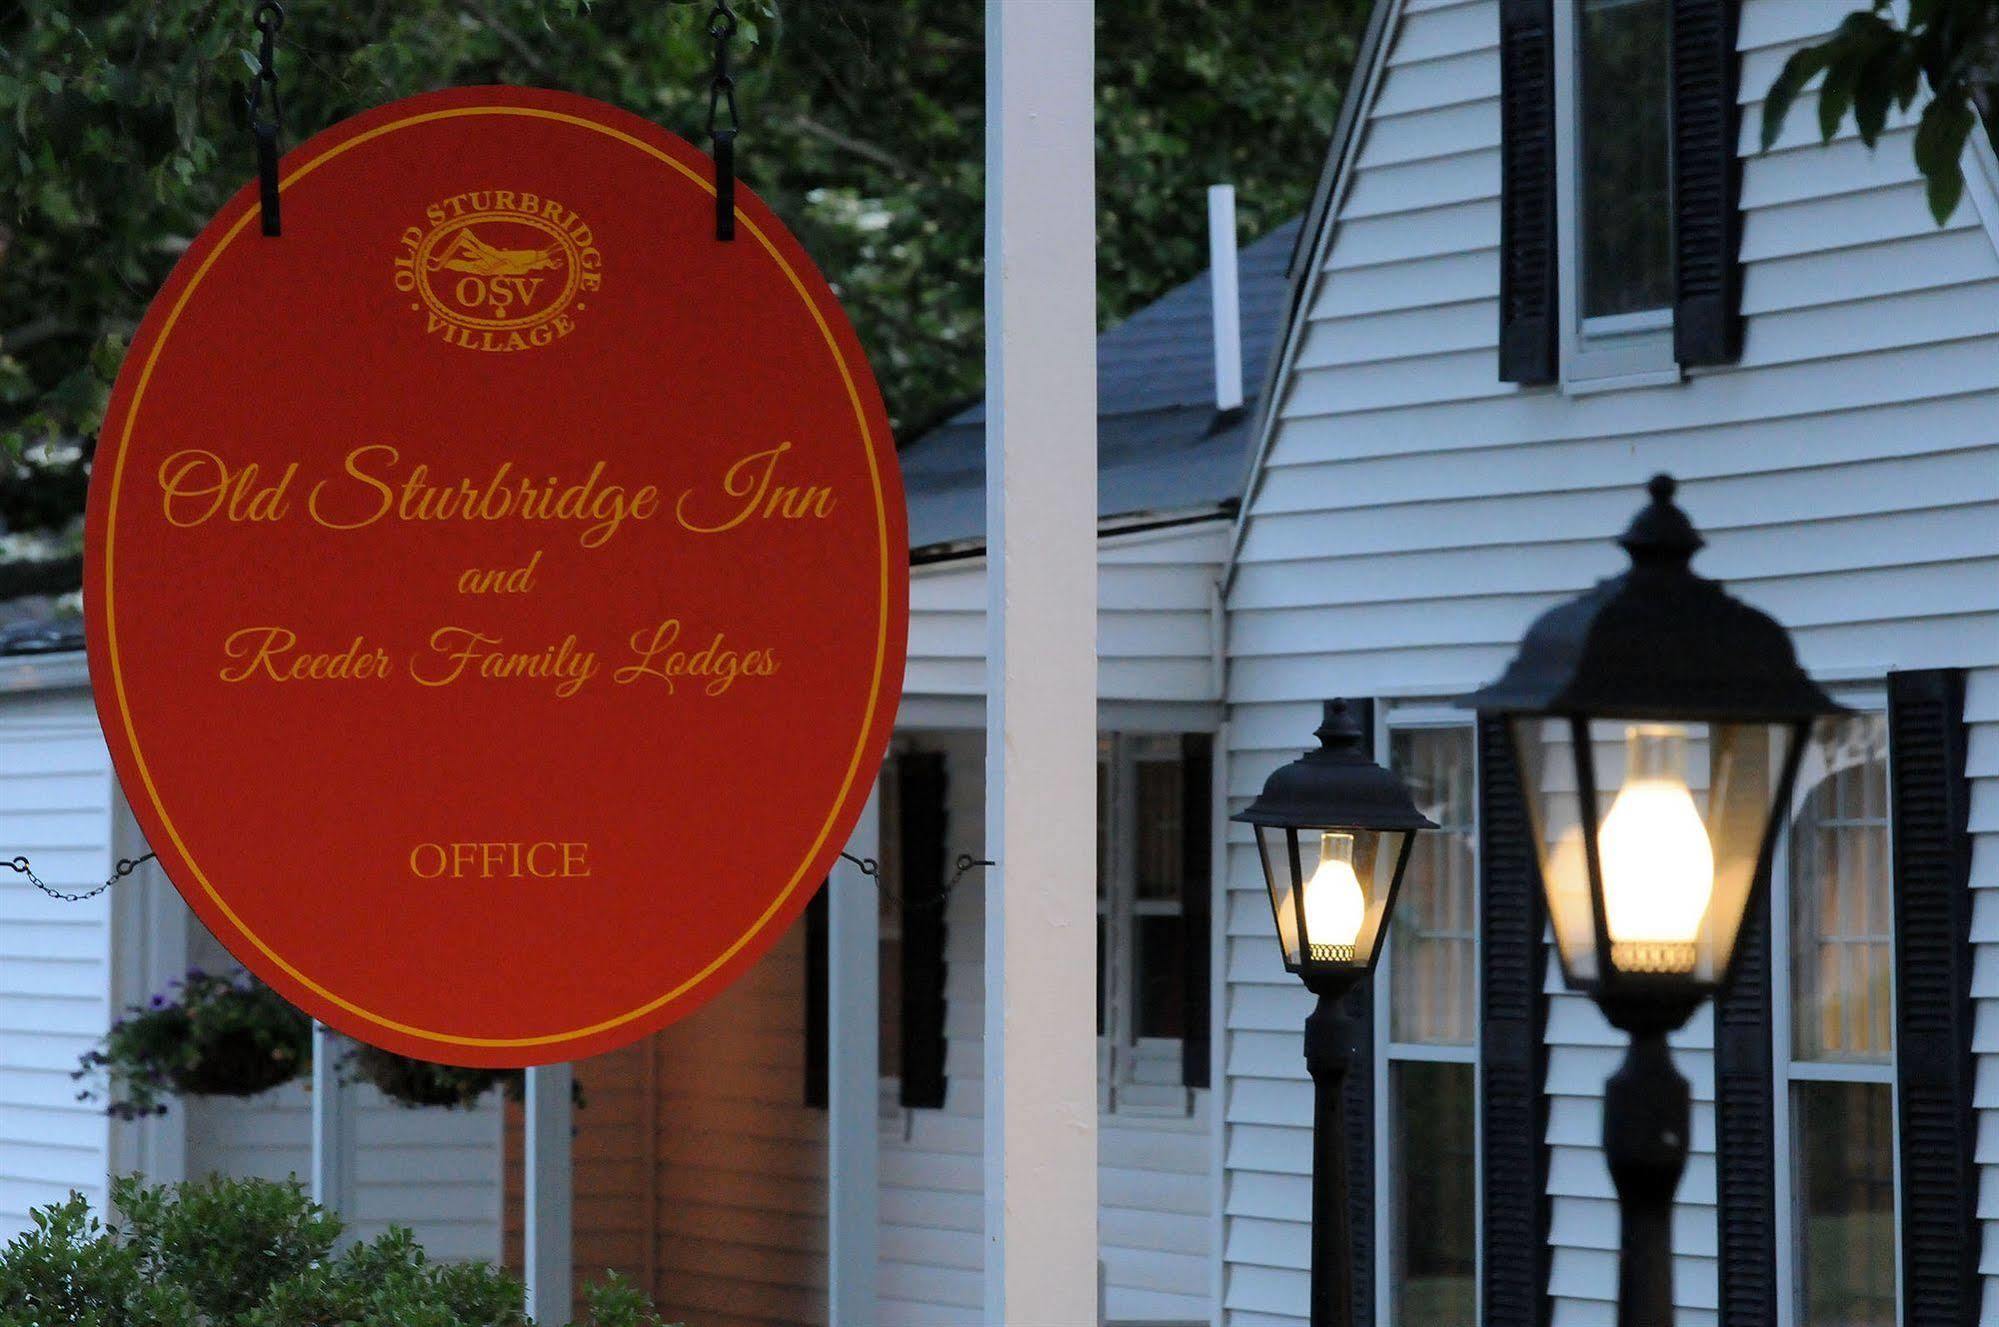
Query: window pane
x=1434, y=934
x=1845, y=1204
x=1103, y=819
x=1842, y=922
x=1162, y=853
x=1625, y=226
x=1160, y=975
x=1103, y=956
x=1434, y=1200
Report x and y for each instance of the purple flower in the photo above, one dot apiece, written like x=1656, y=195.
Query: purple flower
x=157, y=1002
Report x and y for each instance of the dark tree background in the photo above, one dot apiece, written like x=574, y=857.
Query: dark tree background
x=862, y=125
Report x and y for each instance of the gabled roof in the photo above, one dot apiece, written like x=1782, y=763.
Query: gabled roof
x=42, y=636
x=1162, y=448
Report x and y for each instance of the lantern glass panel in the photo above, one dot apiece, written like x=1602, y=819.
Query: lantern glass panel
x=1330, y=891
x=1276, y=847
x=1545, y=750
x=1680, y=816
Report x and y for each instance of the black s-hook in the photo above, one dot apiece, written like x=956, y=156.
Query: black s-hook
x=266, y=112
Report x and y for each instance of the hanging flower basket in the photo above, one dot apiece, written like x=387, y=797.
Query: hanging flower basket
x=417, y=1083
x=420, y=1083
x=204, y=1036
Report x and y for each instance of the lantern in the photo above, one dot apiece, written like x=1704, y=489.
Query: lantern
x=1334, y=831
x=1657, y=724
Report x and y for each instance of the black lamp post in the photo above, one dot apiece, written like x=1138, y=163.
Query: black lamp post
x=1334, y=831
x=1658, y=725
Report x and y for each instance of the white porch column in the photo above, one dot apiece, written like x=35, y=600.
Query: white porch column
x=149, y=932
x=332, y=1131
x=1041, y=516
x=853, y=1077
x=546, y=1253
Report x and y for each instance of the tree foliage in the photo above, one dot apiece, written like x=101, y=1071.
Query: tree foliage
x=1879, y=58
x=121, y=133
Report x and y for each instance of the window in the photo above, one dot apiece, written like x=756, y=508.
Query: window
x=1613, y=98
x=1620, y=244
x=1833, y=973
x=1428, y=1119
x=1142, y=958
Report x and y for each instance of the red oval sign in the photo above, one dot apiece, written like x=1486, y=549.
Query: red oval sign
x=498, y=586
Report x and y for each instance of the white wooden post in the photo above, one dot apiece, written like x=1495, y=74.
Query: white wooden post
x=853, y=1078
x=1041, y=721
x=546, y=1251
x=332, y=1131
x=149, y=935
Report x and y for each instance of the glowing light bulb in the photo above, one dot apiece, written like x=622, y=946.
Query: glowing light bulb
x=1335, y=907
x=1658, y=866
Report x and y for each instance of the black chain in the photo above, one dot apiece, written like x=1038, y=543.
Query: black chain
x=266, y=110
x=965, y=865
x=126, y=865
x=722, y=92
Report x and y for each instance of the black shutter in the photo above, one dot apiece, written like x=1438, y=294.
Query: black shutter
x=1528, y=299
x=1707, y=176
x=817, y=977
x=921, y=792
x=1931, y=799
x=1513, y=1018
x=1745, y=1131
x=1197, y=835
x=1360, y=1111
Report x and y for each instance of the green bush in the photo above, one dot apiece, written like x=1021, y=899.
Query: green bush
x=250, y=1253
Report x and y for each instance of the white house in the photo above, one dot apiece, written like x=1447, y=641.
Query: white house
x=1547, y=263
x=1543, y=264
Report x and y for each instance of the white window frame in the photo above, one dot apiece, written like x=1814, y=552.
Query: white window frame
x=1597, y=354
x=1785, y=1071
x=1137, y=1077
x=1390, y=719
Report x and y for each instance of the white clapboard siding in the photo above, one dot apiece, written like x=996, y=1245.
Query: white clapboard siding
x=436, y=1172
x=1156, y=1228
x=56, y=807
x=1156, y=629
x=1411, y=514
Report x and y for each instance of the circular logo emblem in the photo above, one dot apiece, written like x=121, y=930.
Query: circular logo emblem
x=499, y=269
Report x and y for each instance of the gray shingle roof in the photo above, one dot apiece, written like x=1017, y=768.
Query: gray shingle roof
x=47, y=636
x=1161, y=446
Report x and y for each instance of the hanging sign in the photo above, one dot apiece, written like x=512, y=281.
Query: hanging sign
x=497, y=587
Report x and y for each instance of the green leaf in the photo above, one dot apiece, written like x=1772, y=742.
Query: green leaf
x=1798, y=71
x=1836, y=93
x=1939, y=152
x=1874, y=91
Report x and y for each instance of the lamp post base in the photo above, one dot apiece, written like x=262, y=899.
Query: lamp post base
x=1646, y=1116
x=1329, y=1055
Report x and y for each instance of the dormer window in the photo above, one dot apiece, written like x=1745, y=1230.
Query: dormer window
x=1614, y=186
x=1619, y=227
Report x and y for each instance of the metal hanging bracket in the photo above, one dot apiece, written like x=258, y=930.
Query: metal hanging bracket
x=722, y=93
x=266, y=111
